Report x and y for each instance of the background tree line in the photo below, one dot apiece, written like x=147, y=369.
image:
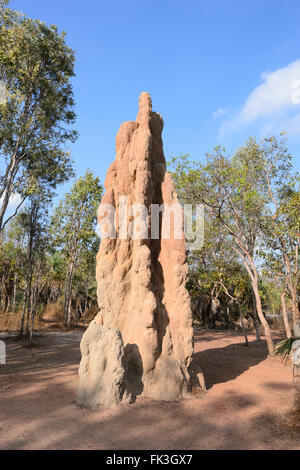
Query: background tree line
x=249, y=265
x=45, y=258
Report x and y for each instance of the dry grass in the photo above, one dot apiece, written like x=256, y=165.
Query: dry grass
x=51, y=319
x=293, y=418
x=54, y=312
x=11, y=321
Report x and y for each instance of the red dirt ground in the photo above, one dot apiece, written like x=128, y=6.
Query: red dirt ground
x=245, y=406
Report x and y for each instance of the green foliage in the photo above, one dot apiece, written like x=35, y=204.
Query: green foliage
x=74, y=234
x=284, y=348
x=73, y=222
x=249, y=197
x=36, y=125
x=36, y=67
x=235, y=189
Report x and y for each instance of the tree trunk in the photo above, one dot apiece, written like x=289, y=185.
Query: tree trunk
x=255, y=316
x=295, y=310
x=253, y=274
x=24, y=311
x=262, y=318
x=257, y=329
x=15, y=293
x=32, y=312
x=7, y=304
x=227, y=317
x=285, y=316
x=85, y=306
x=69, y=318
x=3, y=293
x=28, y=315
x=292, y=282
x=7, y=189
x=68, y=294
x=244, y=330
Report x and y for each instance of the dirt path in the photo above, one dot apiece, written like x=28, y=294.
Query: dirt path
x=244, y=408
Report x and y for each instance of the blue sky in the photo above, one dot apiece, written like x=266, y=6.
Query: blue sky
x=218, y=71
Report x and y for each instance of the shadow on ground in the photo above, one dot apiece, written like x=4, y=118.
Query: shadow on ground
x=37, y=392
x=218, y=370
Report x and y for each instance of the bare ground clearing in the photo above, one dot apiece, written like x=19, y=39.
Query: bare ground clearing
x=245, y=407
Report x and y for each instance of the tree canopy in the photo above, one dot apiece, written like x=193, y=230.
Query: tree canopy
x=37, y=114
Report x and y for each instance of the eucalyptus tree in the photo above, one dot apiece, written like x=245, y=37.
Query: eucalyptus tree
x=281, y=225
x=216, y=272
x=12, y=258
x=36, y=107
x=32, y=220
x=211, y=273
x=74, y=231
x=235, y=191
x=85, y=287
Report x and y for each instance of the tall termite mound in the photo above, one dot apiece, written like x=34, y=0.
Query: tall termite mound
x=141, y=282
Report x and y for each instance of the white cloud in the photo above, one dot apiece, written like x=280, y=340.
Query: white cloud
x=275, y=103
x=220, y=112
x=14, y=201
